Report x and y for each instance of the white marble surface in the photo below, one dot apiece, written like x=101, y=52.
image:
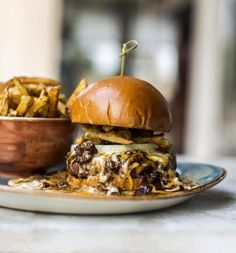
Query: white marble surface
x=206, y=223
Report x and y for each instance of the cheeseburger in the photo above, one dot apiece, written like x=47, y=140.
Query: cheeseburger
x=123, y=149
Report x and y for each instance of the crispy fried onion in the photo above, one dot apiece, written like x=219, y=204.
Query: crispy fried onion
x=101, y=134
x=93, y=134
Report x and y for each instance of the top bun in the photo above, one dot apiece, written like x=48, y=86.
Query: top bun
x=122, y=101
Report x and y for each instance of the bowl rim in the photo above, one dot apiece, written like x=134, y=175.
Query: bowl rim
x=6, y=118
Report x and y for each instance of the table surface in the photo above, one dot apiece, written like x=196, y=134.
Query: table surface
x=205, y=223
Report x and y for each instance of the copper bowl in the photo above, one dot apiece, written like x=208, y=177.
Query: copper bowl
x=28, y=145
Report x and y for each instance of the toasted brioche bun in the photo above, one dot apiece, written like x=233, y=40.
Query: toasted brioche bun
x=122, y=101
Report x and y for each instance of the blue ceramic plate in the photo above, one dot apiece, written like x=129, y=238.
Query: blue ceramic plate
x=206, y=176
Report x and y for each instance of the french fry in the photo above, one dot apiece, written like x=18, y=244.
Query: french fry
x=53, y=94
x=82, y=85
x=35, y=89
x=43, y=111
x=34, y=80
x=3, y=86
x=20, y=87
x=39, y=80
x=4, y=106
x=37, y=105
x=32, y=97
x=62, y=98
x=12, y=113
x=62, y=108
x=25, y=103
x=15, y=96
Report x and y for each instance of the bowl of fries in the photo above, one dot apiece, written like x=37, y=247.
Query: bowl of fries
x=35, y=130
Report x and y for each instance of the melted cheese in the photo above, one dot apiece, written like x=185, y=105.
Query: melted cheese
x=154, y=159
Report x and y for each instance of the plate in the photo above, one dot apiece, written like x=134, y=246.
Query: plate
x=40, y=201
